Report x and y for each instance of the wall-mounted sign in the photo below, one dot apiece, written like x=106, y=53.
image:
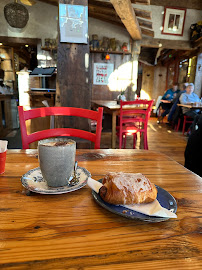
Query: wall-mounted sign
x=73, y=21
x=101, y=73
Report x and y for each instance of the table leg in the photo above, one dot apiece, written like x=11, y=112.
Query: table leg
x=142, y=141
x=113, y=130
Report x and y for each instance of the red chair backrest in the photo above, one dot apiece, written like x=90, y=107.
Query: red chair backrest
x=143, y=111
x=64, y=111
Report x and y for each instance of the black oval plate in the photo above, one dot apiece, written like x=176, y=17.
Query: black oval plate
x=165, y=199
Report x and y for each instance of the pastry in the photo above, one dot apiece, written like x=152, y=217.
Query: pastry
x=127, y=188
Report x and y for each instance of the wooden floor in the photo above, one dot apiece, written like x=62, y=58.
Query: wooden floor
x=161, y=138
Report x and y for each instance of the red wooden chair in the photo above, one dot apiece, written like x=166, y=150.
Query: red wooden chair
x=56, y=132
x=134, y=120
x=186, y=120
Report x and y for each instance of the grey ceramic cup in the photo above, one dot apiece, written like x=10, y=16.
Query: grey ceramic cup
x=57, y=159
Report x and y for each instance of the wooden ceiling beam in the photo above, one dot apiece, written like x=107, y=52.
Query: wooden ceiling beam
x=166, y=43
x=116, y=20
x=144, y=23
x=192, y=4
x=141, y=2
x=106, y=18
x=142, y=13
x=102, y=10
x=126, y=12
x=50, y=2
x=147, y=32
x=197, y=43
x=20, y=41
x=108, y=9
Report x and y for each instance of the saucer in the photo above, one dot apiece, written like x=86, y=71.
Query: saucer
x=34, y=181
x=165, y=199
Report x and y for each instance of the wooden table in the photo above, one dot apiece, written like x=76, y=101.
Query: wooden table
x=36, y=97
x=189, y=106
x=71, y=231
x=111, y=107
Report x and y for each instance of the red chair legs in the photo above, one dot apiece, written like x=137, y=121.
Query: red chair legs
x=134, y=140
x=178, y=125
x=187, y=119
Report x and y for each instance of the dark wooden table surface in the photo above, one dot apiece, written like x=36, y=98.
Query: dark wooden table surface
x=192, y=106
x=71, y=231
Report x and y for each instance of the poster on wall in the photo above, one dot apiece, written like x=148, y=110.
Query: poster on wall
x=73, y=21
x=102, y=73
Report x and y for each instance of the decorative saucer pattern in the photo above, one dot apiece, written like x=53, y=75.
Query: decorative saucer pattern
x=34, y=181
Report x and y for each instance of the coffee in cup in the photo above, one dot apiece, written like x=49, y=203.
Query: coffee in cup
x=57, y=159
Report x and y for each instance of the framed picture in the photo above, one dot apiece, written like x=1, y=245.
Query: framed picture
x=102, y=72
x=173, y=21
x=73, y=21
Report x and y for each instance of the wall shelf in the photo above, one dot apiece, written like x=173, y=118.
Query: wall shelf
x=92, y=51
x=49, y=48
x=110, y=52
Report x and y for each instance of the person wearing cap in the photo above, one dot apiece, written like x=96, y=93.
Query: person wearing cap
x=189, y=97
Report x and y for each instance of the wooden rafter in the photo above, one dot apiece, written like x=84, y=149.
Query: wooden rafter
x=117, y=21
x=141, y=2
x=144, y=23
x=142, y=13
x=107, y=8
x=127, y=15
x=191, y=4
x=147, y=32
x=106, y=18
x=50, y=2
x=166, y=43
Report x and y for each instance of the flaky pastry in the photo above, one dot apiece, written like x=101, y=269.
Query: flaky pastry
x=127, y=188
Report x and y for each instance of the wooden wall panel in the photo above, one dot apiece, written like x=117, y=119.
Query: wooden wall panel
x=103, y=92
x=147, y=80
x=159, y=85
x=154, y=80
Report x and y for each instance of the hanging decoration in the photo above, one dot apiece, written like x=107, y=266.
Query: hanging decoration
x=16, y=15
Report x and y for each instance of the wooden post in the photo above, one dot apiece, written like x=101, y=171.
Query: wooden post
x=135, y=55
x=72, y=88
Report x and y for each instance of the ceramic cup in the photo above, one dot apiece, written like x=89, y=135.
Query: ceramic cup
x=57, y=159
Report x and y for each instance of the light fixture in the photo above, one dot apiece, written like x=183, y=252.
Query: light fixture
x=26, y=45
x=160, y=44
x=1, y=44
x=107, y=57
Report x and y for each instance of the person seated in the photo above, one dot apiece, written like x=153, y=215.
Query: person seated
x=166, y=101
x=175, y=110
x=188, y=98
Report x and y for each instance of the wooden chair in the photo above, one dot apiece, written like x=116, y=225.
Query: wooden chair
x=186, y=120
x=57, y=132
x=134, y=120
